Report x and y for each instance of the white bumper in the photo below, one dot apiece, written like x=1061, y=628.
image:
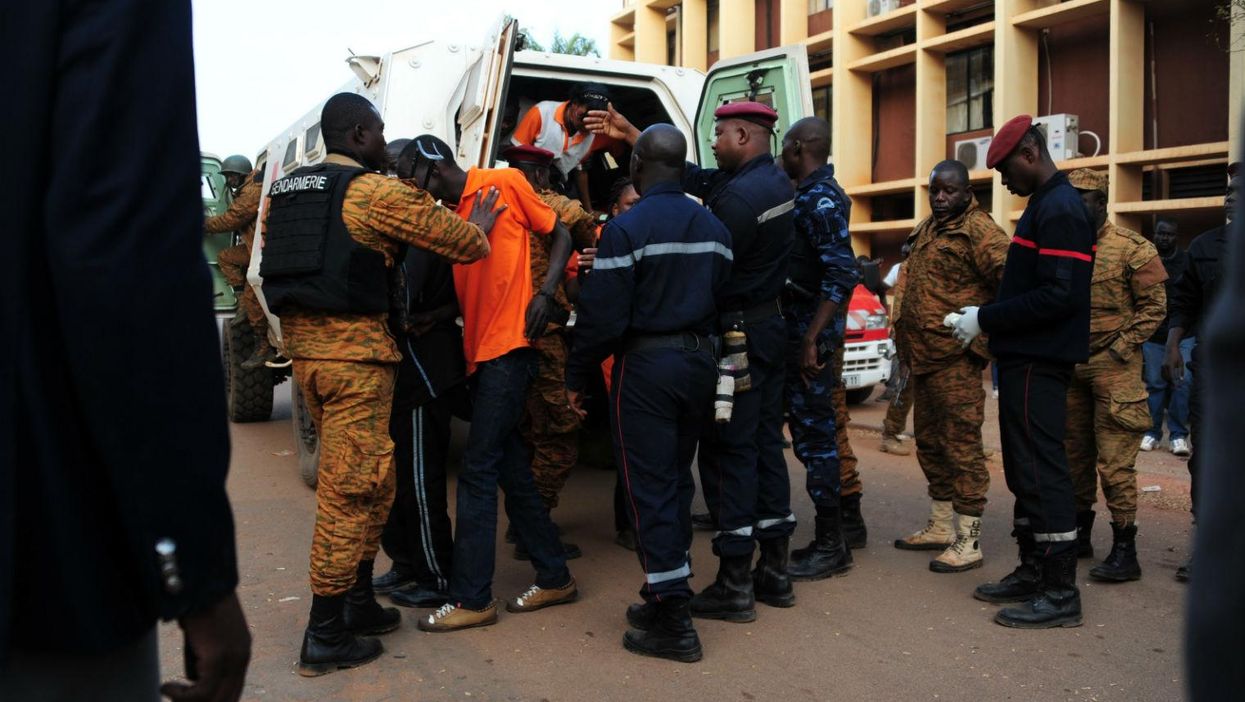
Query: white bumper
x=866, y=363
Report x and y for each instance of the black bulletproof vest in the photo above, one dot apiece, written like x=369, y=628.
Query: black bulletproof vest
x=310, y=261
x=805, y=268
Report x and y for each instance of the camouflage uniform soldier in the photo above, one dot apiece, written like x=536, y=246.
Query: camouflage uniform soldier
x=956, y=261
x=1108, y=411
x=550, y=426
x=334, y=315
x=233, y=261
x=821, y=278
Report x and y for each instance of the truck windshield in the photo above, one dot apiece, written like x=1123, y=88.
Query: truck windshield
x=208, y=187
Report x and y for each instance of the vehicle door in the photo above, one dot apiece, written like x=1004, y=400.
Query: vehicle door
x=775, y=77
x=216, y=200
x=478, y=122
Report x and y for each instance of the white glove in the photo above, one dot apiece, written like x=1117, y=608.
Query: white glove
x=966, y=327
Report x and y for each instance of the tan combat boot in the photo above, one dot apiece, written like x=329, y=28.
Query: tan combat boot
x=893, y=444
x=938, y=533
x=965, y=553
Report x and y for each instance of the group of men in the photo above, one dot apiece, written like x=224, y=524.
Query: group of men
x=730, y=316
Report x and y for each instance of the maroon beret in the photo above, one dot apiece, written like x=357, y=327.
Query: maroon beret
x=1007, y=138
x=524, y=153
x=754, y=112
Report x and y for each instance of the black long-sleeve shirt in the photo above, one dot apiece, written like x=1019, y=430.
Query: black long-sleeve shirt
x=1175, y=267
x=750, y=202
x=1195, y=291
x=1042, y=307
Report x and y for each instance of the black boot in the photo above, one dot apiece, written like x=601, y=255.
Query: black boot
x=396, y=579
x=1023, y=583
x=363, y=615
x=703, y=521
x=769, y=579
x=641, y=616
x=671, y=635
x=1121, y=564
x=327, y=645
x=854, y=531
x=827, y=555
x=1059, y=602
x=1084, y=529
x=730, y=596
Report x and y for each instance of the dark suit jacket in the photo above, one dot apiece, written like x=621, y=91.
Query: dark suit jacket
x=112, y=417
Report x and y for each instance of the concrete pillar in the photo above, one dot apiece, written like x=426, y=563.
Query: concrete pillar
x=650, y=35
x=792, y=22
x=736, y=27
x=695, y=34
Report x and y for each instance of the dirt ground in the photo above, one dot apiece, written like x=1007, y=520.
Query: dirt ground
x=889, y=630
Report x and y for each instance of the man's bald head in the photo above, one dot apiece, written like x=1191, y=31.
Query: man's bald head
x=955, y=170
x=813, y=133
x=659, y=155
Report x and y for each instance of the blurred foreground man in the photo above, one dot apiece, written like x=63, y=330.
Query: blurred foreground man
x=1039, y=329
x=650, y=302
x=956, y=260
x=1107, y=400
x=333, y=233
x=113, y=511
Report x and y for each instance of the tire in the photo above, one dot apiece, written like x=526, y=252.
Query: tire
x=248, y=394
x=858, y=396
x=305, y=437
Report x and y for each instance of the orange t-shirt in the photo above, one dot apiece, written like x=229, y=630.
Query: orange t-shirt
x=530, y=126
x=493, y=293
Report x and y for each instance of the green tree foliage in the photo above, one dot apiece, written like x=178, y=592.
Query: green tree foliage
x=575, y=45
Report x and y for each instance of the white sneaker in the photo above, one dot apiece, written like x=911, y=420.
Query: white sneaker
x=1180, y=447
x=1148, y=443
x=995, y=393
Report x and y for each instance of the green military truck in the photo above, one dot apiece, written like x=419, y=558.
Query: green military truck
x=248, y=393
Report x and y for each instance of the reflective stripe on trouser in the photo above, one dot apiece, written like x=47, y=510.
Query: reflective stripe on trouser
x=350, y=403
x=849, y=476
x=810, y=419
x=949, y=408
x=550, y=427
x=743, y=471
x=1033, y=400
x=658, y=400
x=233, y=263
x=1108, y=414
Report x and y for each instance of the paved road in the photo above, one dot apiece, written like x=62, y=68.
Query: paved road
x=890, y=630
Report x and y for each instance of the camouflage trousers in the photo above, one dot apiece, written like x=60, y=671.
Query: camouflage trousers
x=950, y=408
x=897, y=411
x=1107, y=416
x=233, y=263
x=811, y=420
x=549, y=427
x=350, y=403
x=849, y=476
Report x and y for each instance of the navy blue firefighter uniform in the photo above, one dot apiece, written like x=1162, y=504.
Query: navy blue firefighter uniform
x=823, y=268
x=743, y=471
x=650, y=301
x=1039, y=329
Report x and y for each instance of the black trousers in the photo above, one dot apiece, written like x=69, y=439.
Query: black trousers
x=1197, y=395
x=743, y=471
x=418, y=536
x=1033, y=402
x=658, y=402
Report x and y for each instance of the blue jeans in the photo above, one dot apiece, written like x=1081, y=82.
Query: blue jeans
x=1165, y=396
x=496, y=456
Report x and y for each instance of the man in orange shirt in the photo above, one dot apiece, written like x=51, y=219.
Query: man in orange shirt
x=501, y=320
x=332, y=233
x=559, y=127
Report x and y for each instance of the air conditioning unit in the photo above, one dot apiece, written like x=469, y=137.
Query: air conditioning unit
x=972, y=152
x=1062, y=132
x=881, y=7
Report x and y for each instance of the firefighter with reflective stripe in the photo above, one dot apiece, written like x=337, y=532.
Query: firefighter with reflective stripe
x=332, y=234
x=1107, y=400
x=743, y=469
x=1039, y=329
x=821, y=278
x=650, y=301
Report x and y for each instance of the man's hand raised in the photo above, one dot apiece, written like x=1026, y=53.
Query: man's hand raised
x=610, y=123
x=482, y=213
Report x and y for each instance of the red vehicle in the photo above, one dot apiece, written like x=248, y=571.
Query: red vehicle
x=867, y=346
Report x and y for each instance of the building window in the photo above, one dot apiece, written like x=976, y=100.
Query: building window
x=970, y=90
x=822, y=107
x=711, y=20
x=815, y=6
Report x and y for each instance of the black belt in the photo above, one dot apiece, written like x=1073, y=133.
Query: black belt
x=752, y=315
x=686, y=341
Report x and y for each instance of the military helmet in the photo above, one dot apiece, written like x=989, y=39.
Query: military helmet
x=236, y=164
